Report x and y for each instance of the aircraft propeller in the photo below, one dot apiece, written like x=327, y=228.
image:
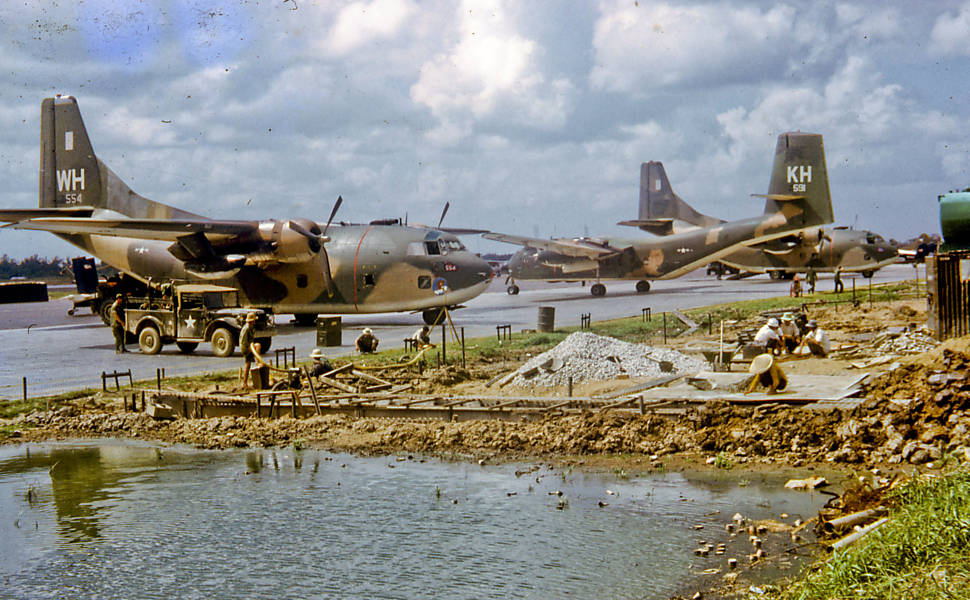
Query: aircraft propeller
x=316, y=240
x=443, y=213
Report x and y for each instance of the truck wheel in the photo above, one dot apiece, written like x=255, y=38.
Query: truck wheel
x=149, y=340
x=264, y=343
x=105, y=311
x=187, y=347
x=223, y=342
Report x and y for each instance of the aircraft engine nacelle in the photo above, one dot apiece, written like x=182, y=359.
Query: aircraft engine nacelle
x=292, y=241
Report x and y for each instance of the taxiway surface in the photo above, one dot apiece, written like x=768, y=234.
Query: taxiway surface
x=57, y=352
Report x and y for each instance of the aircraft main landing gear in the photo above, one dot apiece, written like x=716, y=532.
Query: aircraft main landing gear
x=433, y=316
x=512, y=290
x=643, y=286
x=597, y=289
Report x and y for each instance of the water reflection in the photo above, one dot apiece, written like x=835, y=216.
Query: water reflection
x=167, y=522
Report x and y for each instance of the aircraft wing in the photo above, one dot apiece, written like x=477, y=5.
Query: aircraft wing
x=13, y=215
x=577, y=248
x=146, y=229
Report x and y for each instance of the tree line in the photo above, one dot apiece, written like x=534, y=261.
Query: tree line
x=32, y=267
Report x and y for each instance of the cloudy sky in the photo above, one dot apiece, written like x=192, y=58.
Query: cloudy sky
x=529, y=117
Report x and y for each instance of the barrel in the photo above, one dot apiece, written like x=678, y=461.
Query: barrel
x=329, y=331
x=547, y=318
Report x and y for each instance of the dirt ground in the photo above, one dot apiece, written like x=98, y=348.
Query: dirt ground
x=917, y=415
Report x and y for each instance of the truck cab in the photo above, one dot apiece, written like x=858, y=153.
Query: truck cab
x=190, y=314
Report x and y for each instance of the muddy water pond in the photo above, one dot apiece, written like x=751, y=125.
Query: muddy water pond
x=119, y=519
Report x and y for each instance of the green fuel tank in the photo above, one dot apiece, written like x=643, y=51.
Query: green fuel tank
x=955, y=220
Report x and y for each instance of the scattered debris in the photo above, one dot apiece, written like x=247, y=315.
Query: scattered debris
x=806, y=484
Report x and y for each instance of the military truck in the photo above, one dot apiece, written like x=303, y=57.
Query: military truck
x=194, y=313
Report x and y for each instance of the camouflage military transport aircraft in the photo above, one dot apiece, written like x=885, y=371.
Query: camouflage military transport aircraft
x=823, y=250
x=797, y=200
x=287, y=266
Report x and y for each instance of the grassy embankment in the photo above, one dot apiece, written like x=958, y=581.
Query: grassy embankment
x=922, y=553
x=632, y=329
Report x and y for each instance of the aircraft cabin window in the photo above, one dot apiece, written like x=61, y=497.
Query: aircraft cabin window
x=424, y=282
x=369, y=279
x=301, y=280
x=432, y=247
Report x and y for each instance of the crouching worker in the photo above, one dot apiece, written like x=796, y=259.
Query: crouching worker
x=320, y=366
x=367, y=342
x=769, y=337
x=817, y=340
x=767, y=374
x=423, y=337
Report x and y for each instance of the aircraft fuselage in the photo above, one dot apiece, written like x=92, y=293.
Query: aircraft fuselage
x=375, y=268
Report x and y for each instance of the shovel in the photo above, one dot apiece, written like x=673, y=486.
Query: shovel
x=666, y=366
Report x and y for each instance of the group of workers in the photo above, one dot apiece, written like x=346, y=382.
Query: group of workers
x=366, y=343
x=784, y=336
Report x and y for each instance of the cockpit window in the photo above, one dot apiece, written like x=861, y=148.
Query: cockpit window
x=445, y=246
x=432, y=247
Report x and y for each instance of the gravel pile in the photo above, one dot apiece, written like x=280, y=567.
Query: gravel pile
x=910, y=342
x=589, y=357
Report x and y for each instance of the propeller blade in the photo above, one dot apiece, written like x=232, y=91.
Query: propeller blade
x=315, y=243
x=443, y=213
x=333, y=213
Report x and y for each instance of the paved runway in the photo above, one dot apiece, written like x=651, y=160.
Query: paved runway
x=57, y=352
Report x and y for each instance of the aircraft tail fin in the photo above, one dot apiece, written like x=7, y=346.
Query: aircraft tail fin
x=71, y=175
x=799, y=177
x=658, y=200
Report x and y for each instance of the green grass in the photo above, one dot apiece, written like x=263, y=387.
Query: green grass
x=923, y=552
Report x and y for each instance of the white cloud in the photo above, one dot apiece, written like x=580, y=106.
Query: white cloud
x=949, y=35
x=360, y=23
x=648, y=46
x=854, y=104
x=492, y=70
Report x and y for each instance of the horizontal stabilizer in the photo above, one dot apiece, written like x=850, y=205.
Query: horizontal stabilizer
x=654, y=226
x=13, y=215
x=146, y=229
x=779, y=197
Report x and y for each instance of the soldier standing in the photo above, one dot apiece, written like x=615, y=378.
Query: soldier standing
x=246, y=336
x=118, y=324
x=811, y=277
x=838, y=280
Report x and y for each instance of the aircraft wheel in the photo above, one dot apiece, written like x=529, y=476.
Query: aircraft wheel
x=149, y=340
x=868, y=274
x=643, y=286
x=775, y=274
x=512, y=290
x=305, y=319
x=223, y=342
x=433, y=316
x=264, y=343
x=187, y=347
x=597, y=289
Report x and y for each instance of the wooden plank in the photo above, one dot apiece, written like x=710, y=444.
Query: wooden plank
x=313, y=389
x=336, y=384
x=370, y=378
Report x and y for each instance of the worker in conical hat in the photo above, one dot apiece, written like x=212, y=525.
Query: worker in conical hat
x=767, y=374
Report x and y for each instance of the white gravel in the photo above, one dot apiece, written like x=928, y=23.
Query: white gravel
x=587, y=357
